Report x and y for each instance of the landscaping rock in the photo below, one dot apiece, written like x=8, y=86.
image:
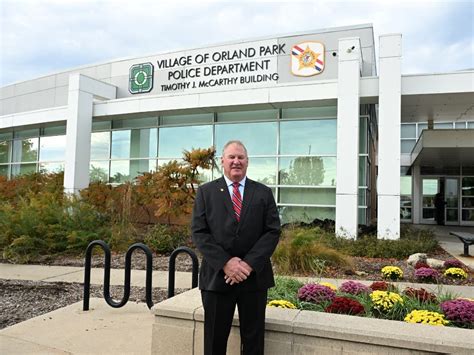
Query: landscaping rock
x=418, y=257
x=435, y=263
x=361, y=273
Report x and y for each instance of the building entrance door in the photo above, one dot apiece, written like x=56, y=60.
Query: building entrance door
x=430, y=187
x=451, y=197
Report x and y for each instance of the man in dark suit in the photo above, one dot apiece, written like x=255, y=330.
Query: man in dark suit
x=236, y=227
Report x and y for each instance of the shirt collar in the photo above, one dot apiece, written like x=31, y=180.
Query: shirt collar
x=230, y=182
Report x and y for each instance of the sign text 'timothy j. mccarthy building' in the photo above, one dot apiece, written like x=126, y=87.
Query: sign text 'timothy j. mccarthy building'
x=331, y=135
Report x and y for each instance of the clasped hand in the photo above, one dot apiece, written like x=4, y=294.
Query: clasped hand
x=236, y=270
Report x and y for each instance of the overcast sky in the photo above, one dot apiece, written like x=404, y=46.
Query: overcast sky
x=40, y=37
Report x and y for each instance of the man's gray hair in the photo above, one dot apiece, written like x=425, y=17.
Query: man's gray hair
x=234, y=142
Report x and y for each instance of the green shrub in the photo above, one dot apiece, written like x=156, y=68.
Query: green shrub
x=163, y=238
x=42, y=224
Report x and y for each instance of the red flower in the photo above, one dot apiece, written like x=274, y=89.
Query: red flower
x=381, y=286
x=345, y=305
x=421, y=294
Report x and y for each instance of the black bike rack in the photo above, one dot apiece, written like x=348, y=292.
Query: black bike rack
x=172, y=268
x=128, y=265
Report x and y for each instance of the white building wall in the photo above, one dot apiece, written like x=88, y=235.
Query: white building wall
x=347, y=167
x=388, y=182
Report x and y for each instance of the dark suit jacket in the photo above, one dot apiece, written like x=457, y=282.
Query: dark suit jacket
x=219, y=237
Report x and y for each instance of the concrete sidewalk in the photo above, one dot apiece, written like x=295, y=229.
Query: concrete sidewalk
x=69, y=330
x=76, y=274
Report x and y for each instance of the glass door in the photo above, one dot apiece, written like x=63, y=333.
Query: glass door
x=451, y=197
x=429, y=190
x=467, y=191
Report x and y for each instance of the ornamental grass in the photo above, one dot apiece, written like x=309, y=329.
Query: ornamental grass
x=392, y=273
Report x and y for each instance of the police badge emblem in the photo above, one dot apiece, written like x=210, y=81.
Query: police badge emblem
x=307, y=59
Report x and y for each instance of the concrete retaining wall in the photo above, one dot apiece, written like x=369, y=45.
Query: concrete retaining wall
x=178, y=329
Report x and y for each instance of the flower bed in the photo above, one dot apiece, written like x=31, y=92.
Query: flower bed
x=381, y=300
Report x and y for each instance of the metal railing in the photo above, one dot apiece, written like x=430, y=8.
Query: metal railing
x=128, y=264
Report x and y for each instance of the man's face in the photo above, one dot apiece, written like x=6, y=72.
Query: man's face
x=235, y=162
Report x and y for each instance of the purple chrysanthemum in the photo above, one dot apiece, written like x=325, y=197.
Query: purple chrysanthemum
x=354, y=288
x=316, y=293
x=454, y=263
x=426, y=274
x=459, y=311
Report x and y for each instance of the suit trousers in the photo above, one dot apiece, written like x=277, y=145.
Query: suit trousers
x=219, y=310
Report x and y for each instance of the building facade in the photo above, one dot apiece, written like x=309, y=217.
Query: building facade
x=330, y=134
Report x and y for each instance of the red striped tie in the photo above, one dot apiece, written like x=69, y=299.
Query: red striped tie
x=236, y=200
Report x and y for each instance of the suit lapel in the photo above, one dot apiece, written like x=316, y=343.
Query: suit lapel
x=223, y=191
x=248, y=196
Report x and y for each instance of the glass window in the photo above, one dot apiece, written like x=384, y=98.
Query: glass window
x=291, y=214
x=470, y=125
x=363, y=136
x=4, y=136
x=362, y=216
x=4, y=170
x=362, y=171
x=120, y=171
x=173, y=140
x=467, y=186
x=120, y=144
x=187, y=119
x=262, y=170
x=314, y=171
x=247, y=116
x=21, y=169
x=307, y=196
x=407, y=145
x=51, y=167
x=54, y=130
x=25, y=150
x=308, y=137
x=309, y=112
x=408, y=130
x=99, y=171
x=460, y=125
x=26, y=133
x=362, y=197
x=100, y=145
x=259, y=138
x=443, y=125
x=421, y=127
x=144, y=143
x=5, y=152
x=101, y=125
x=405, y=185
x=52, y=148
x=135, y=122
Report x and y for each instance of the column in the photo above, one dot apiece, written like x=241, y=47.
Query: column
x=388, y=182
x=82, y=91
x=348, y=137
x=416, y=194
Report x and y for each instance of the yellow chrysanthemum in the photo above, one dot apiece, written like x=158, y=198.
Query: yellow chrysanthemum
x=426, y=317
x=385, y=300
x=281, y=304
x=330, y=285
x=456, y=272
x=392, y=272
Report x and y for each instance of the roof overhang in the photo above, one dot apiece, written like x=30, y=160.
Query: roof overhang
x=444, y=148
